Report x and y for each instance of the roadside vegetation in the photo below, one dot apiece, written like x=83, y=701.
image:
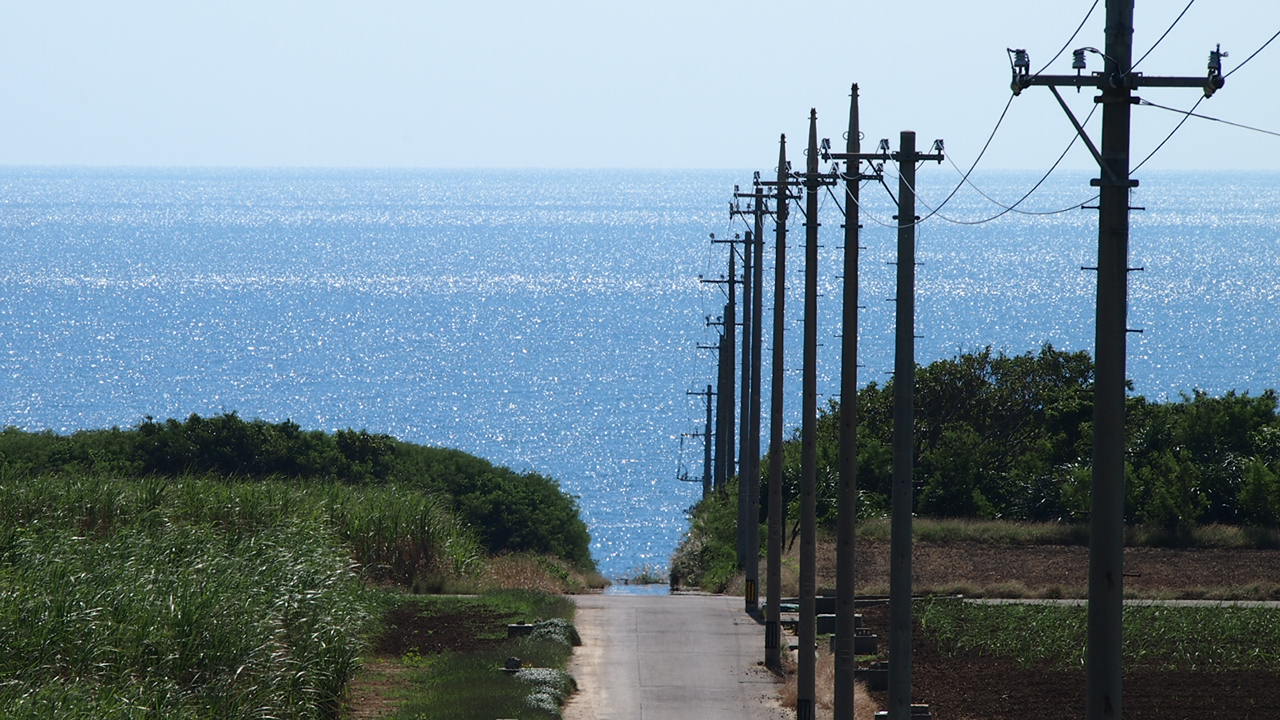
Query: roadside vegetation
x=226, y=568
x=1156, y=637
x=1003, y=447
x=440, y=657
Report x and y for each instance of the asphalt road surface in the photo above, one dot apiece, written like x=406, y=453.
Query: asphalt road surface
x=669, y=657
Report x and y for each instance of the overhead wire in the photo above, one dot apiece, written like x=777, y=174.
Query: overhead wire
x=991, y=136
x=1162, y=35
x=1014, y=207
x=1067, y=44
x=1169, y=137
x=1253, y=55
x=1209, y=117
x=1008, y=208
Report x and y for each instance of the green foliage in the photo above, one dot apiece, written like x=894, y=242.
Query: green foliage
x=1260, y=495
x=508, y=511
x=467, y=685
x=708, y=556
x=176, y=621
x=1156, y=637
x=1010, y=437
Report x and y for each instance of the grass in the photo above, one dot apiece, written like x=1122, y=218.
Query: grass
x=1156, y=637
x=176, y=622
x=824, y=688
x=467, y=684
x=393, y=534
x=199, y=596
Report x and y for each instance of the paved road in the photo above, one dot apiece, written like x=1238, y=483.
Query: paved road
x=669, y=657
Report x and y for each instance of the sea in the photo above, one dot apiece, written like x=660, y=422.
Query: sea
x=549, y=320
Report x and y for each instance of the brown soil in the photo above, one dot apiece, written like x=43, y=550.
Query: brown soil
x=992, y=688
x=406, y=628
x=1057, y=569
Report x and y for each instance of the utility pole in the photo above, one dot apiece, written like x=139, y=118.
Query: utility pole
x=744, y=421
x=725, y=393
x=1116, y=84
x=904, y=382
x=752, y=589
x=847, y=500
x=773, y=559
x=717, y=435
x=753, y=304
x=806, y=670
x=706, y=438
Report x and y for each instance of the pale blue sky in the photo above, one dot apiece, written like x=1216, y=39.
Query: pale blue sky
x=585, y=83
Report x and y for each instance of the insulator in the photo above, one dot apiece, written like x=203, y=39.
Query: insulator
x=1021, y=60
x=1077, y=59
x=755, y=177
x=1215, y=60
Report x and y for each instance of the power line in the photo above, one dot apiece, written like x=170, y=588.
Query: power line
x=987, y=144
x=1168, y=137
x=1011, y=208
x=1207, y=117
x=1162, y=35
x=1252, y=56
x=1014, y=207
x=1067, y=44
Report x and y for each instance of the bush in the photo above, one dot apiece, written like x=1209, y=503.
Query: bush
x=509, y=511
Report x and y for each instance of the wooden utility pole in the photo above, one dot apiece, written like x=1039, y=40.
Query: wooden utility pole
x=847, y=501
x=1116, y=84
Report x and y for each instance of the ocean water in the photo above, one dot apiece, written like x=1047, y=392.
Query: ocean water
x=548, y=320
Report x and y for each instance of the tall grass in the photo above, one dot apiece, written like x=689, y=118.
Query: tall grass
x=176, y=622
x=393, y=533
x=198, y=596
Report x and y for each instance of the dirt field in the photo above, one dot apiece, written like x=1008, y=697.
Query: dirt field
x=988, y=688
x=1057, y=570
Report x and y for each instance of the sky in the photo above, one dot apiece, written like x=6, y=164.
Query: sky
x=592, y=83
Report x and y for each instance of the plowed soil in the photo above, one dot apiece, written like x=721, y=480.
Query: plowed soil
x=408, y=628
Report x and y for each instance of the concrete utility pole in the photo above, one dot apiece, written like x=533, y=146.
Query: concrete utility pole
x=706, y=439
x=773, y=559
x=752, y=589
x=904, y=382
x=847, y=501
x=805, y=673
x=725, y=391
x=1116, y=82
x=744, y=415
x=748, y=521
x=717, y=434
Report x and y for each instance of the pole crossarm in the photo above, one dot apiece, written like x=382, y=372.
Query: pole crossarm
x=1210, y=83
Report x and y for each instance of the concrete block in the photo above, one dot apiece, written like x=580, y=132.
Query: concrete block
x=876, y=675
x=826, y=624
x=918, y=712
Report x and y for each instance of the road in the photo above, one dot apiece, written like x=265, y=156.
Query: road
x=669, y=657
